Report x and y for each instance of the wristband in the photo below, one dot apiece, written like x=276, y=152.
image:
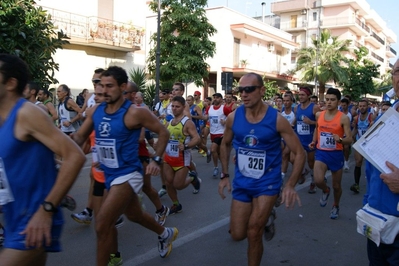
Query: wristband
x=223, y=175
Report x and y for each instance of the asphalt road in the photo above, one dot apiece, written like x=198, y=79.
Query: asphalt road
x=305, y=235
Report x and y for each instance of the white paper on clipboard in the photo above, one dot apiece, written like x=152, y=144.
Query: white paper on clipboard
x=380, y=143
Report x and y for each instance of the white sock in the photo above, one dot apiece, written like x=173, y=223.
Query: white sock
x=165, y=233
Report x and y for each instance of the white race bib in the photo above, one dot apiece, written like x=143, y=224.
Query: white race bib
x=6, y=195
x=327, y=141
x=251, y=163
x=214, y=120
x=303, y=128
x=94, y=154
x=106, y=150
x=172, y=149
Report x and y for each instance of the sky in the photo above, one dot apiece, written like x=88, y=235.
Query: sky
x=386, y=9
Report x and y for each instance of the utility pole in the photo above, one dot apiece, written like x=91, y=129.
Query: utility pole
x=158, y=54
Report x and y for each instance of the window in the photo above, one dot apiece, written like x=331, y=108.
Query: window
x=314, y=16
x=236, y=52
x=293, y=59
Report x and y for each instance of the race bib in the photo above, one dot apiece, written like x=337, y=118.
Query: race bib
x=106, y=151
x=172, y=149
x=361, y=131
x=327, y=141
x=6, y=195
x=251, y=163
x=214, y=120
x=303, y=128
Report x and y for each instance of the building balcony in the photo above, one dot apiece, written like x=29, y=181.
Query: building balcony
x=390, y=52
x=97, y=32
x=355, y=44
x=289, y=6
x=379, y=58
x=354, y=24
x=291, y=26
x=374, y=39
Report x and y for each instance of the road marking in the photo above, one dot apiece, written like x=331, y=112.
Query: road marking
x=153, y=253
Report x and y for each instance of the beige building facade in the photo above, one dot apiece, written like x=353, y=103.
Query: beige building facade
x=348, y=19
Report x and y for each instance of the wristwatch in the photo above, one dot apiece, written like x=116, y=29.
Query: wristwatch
x=157, y=159
x=186, y=147
x=223, y=175
x=49, y=207
x=340, y=140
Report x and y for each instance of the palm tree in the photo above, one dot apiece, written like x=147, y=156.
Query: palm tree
x=324, y=61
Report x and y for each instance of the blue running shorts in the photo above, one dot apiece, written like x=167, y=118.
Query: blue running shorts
x=333, y=159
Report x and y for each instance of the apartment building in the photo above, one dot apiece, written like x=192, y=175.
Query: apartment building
x=101, y=32
x=243, y=45
x=347, y=19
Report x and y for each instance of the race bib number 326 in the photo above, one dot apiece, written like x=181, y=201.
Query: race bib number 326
x=251, y=163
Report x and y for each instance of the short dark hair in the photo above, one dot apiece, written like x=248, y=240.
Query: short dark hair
x=118, y=73
x=179, y=99
x=180, y=85
x=335, y=92
x=228, y=93
x=209, y=99
x=386, y=103
x=99, y=70
x=345, y=100
x=134, y=86
x=12, y=66
x=33, y=86
x=314, y=97
x=235, y=98
x=46, y=92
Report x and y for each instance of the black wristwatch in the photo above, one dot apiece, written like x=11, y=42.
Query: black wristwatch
x=157, y=159
x=186, y=147
x=49, y=207
x=223, y=175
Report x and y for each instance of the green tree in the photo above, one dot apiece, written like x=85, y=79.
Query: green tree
x=329, y=59
x=360, y=75
x=27, y=31
x=185, y=43
x=271, y=89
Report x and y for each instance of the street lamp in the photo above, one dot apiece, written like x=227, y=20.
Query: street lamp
x=158, y=54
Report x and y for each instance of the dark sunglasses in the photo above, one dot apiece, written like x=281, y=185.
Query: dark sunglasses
x=164, y=93
x=95, y=81
x=248, y=89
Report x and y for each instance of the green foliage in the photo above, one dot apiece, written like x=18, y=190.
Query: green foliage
x=185, y=43
x=360, y=75
x=149, y=94
x=328, y=58
x=271, y=89
x=26, y=31
x=385, y=84
x=138, y=76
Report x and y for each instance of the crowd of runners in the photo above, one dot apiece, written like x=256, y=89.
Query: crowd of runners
x=130, y=142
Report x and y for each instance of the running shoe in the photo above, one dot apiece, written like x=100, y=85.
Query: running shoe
x=175, y=209
x=160, y=217
x=302, y=179
x=270, y=229
x=346, y=167
x=208, y=157
x=162, y=192
x=334, y=212
x=114, y=260
x=69, y=203
x=215, y=172
x=165, y=244
x=324, y=197
x=312, y=188
x=83, y=217
x=196, y=181
x=355, y=188
x=120, y=222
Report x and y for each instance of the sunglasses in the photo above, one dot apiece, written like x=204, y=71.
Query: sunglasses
x=95, y=81
x=164, y=93
x=126, y=92
x=248, y=89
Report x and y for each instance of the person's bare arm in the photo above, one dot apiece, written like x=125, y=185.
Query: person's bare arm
x=87, y=127
x=345, y=122
x=34, y=125
x=291, y=139
x=52, y=111
x=74, y=106
x=191, y=130
x=225, y=149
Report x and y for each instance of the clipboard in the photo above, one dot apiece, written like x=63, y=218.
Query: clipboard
x=380, y=144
